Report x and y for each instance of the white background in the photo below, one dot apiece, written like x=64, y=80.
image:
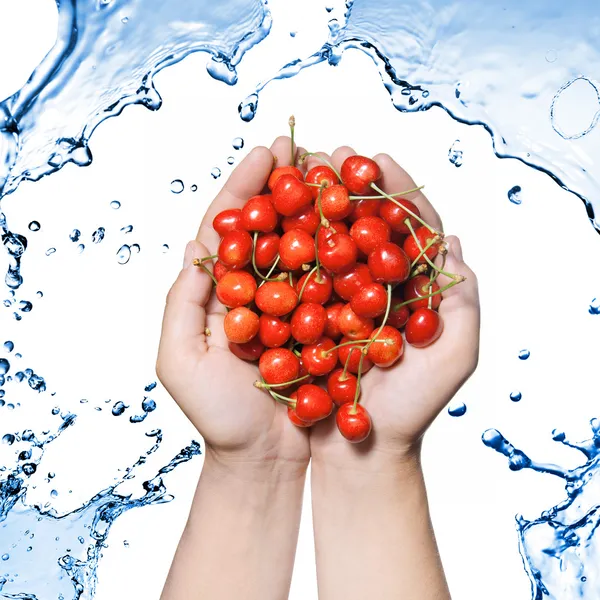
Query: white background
x=95, y=332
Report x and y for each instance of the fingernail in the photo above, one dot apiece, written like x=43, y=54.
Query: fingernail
x=188, y=257
x=456, y=249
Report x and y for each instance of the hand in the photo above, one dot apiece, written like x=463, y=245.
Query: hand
x=239, y=423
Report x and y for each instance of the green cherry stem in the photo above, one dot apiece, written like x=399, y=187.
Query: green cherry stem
x=385, y=318
x=261, y=385
x=358, y=378
x=454, y=282
x=350, y=343
x=323, y=159
x=313, y=270
x=263, y=277
x=388, y=195
x=345, y=371
x=292, y=124
x=434, y=240
x=424, y=255
x=197, y=262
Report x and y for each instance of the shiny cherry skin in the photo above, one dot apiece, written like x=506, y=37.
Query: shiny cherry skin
x=313, y=403
x=350, y=355
x=236, y=288
x=395, y=216
x=279, y=365
x=266, y=249
x=235, y=249
x=273, y=332
x=317, y=289
x=332, y=329
x=364, y=208
x=293, y=417
x=241, y=325
x=308, y=322
x=341, y=387
x=258, y=214
x=320, y=358
x=370, y=232
x=349, y=283
x=385, y=353
x=219, y=269
x=305, y=219
x=418, y=287
x=318, y=175
x=412, y=248
x=354, y=423
x=358, y=173
x=388, y=263
x=227, y=220
x=276, y=298
x=423, y=328
x=279, y=171
x=290, y=195
x=296, y=248
x=370, y=301
x=335, y=203
x=399, y=315
x=250, y=351
x=338, y=254
x=353, y=326
x=326, y=233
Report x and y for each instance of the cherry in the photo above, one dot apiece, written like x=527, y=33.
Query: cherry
x=278, y=365
x=332, y=329
x=353, y=326
x=250, y=351
x=227, y=220
x=305, y=219
x=258, y=214
x=335, y=202
x=387, y=348
x=219, y=269
x=370, y=232
x=388, y=263
x=318, y=175
x=273, y=332
x=396, y=216
x=364, y=208
x=290, y=195
x=241, y=325
x=236, y=288
x=341, y=386
x=296, y=248
x=293, y=417
x=350, y=356
x=279, y=171
x=398, y=316
x=266, y=250
x=354, y=422
x=423, y=328
x=276, y=298
x=338, y=254
x=370, y=301
x=320, y=358
x=313, y=403
x=418, y=287
x=326, y=233
x=358, y=173
x=349, y=283
x=412, y=248
x=316, y=288
x=235, y=250
x=308, y=322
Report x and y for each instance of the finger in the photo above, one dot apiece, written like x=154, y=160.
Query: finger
x=300, y=165
x=340, y=155
x=395, y=179
x=321, y=158
x=282, y=151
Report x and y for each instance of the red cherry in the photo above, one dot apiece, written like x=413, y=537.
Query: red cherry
x=388, y=263
x=273, y=332
x=341, y=388
x=418, y=287
x=338, y=254
x=258, y=214
x=370, y=232
x=423, y=328
x=279, y=171
x=266, y=249
x=317, y=289
x=293, y=417
x=318, y=175
x=319, y=358
x=385, y=353
x=347, y=284
x=335, y=202
x=326, y=233
x=241, y=325
x=398, y=317
x=290, y=195
x=370, y=301
x=227, y=220
x=276, y=298
x=219, y=269
x=235, y=250
x=308, y=322
x=236, y=288
x=353, y=326
x=250, y=351
x=332, y=329
x=279, y=365
x=313, y=403
x=350, y=355
x=396, y=216
x=358, y=172
x=364, y=208
x=305, y=219
x=354, y=423
x=296, y=248
x=412, y=249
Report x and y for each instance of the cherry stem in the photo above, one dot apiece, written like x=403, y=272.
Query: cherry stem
x=281, y=399
x=424, y=255
x=419, y=270
x=385, y=318
x=440, y=291
x=205, y=258
x=198, y=263
x=432, y=278
x=305, y=283
x=387, y=195
x=324, y=160
x=324, y=221
x=344, y=376
x=434, y=240
x=254, y=262
x=358, y=378
x=292, y=124
x=261, y=385
x=351, y=343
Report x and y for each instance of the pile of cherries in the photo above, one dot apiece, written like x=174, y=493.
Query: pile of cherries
x=320, y=277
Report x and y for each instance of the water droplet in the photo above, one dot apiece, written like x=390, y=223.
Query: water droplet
x=75, y=235
x=17, y=316
x=37, y=383
x=9, y=439
x=98, y=235
x=81, y=540
x=135, y=248
x=54, y=493
x=127, y=229
x=29, y=469
x=455, y=154
x=524, y=354
x=126, y=543
x=194, y=188
x=551, y=55
x=5, y=557
x=119, y=408
x=80, y=248
x=123, y=254
x=51, y=475
x=177, y=186
x=293, y=34
x=9, y=346
x=329, y=8
x=125, y=20
x=4, y=366
x=29, y=548
x=40, y=294
x=165, y=248
x=457, y=410
x=514, y=194
x=148, y=405
x=115, y=204
x=25, y=306
x=238, y=143
x=34, y=226
x=516, y=396
x=216, y=173
x=18, y=355
x=137, y=418
x=594, y=307
x=230, y=160
x=150, y=387
x=55, y=410
x=50, y=251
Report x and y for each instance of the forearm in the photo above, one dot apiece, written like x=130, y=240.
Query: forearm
x=240, y=538
x=373, y=533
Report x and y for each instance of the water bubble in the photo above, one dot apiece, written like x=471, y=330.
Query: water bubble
x=194, y=188
x=80, y=248
x=75, y=235
x=516, y=396
x=524, y=354
x=25, y=306
x=135, y=248
x=551, y=55
x=115, y=204
x=514, y=194
x=34, y=226
x=238, y=143
x=98, y=235
x=215, y=172
x=4, y=366
x=123, y=254
x=9, y=346
x=177, y=186
x=119, y=408
x=594, y=308
x=50, y=251
x=150, y=387
x=230, y=160
x=457, y=410
x=127, y=229
x=148, y=405
x=455, y=154
x=165, y=248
